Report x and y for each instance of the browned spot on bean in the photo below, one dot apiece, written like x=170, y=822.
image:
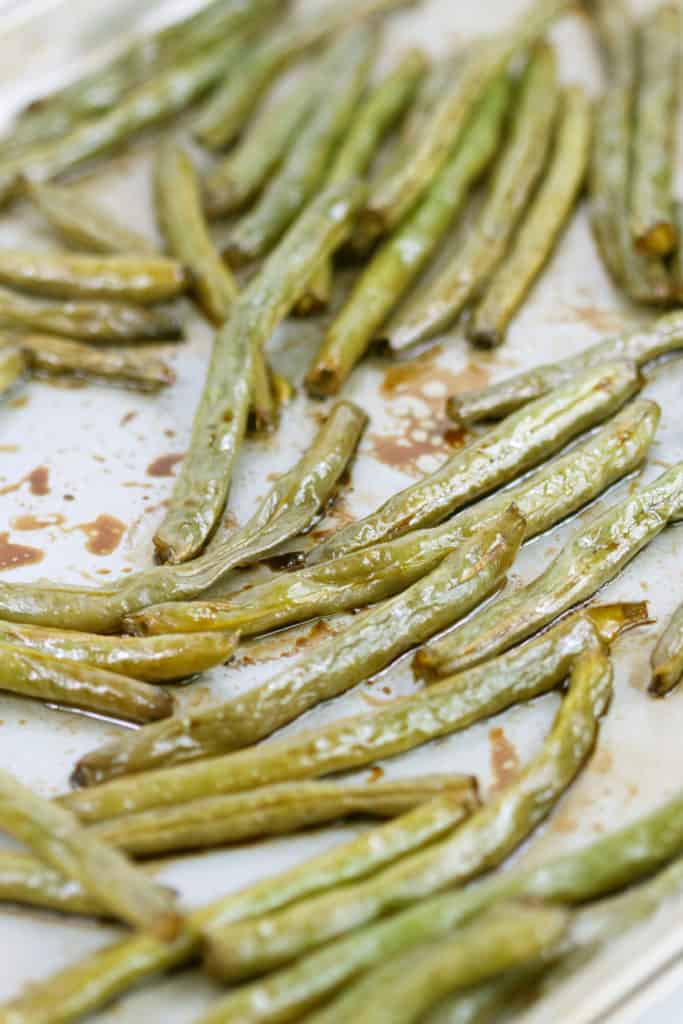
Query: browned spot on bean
x=505, y=764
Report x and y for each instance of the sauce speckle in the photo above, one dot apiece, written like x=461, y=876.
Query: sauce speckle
x=14, y=555
x=37, y=522
x=164, y=465
x=104, y=534
x=376, y=773
x=38, y=481
x=505, y=765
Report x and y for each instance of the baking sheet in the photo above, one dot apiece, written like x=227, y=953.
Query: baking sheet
x=99, y=447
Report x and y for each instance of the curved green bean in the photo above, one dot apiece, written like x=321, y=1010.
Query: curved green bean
x=51, y=355
x=460, y=583
x=482, y=842
x=594, y=556
x=514, y=178
x=405, y=253
x=179, y=211
x=639, y=346
x=541, y=225
x=654, y=142
x=12, y=366
x=667, y=657
x=26, y=881
x=83, y=223
x=488, y=462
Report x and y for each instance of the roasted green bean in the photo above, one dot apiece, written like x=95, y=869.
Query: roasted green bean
x=180, y=215
x=449, y=706
x=394, y=195
x=202, y=485
x=654, y=141
x=12, y=366
x=541, y=225
x=90, y=321
x=76, y=683
x=594, y=556
x=639, y=346
x=460, y=583
x=275, y=810
x=55, y=835
x=151, y=659
x=404, y=254
x=347, y=64
x=50, y=355
x=262, y=411
x=481, y=843
x=517, y=444
x=28, y=882
x=231, y=104
x=667, y=657
x=83, y=223
x=501, y=939
x=514, y=179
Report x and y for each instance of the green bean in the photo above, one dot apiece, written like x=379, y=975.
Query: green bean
x=594, y=556
x=274, y=810
x=55, y=835
x=517, y=444
x=76, y=683
x=180, y=215
x=644, y=277
x=404, y=990
x=263, y=412
x=349, y=743
x=405, y=253
x=248, y=166
x=616, y=860
x=381, y=109
x=395, y=195
x=12, y=366
x=654, y=141
x=303, y=168
x=83, y=223
x=482, y=842
x=541, y=225
x=95, y=980
x=678, y=255
x=639, y=346
x=26, y=881
x=167, y=93
x=151, y=659
x=462, y=581
x=230, y=105
x=89, y=321
x=144, y=280
x=50, y=355
x=96, y=92
x=515, y=176
x=667, y=657
x=201, y=487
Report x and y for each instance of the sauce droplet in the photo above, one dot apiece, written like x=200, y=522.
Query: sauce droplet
x=14, y=555
x=38, y=481
x=164, y=465
x=104, y=534
x=37, y=522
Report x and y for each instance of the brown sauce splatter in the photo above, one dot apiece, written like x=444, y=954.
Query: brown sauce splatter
x=37, y=522
x=104, y=534
x=20, y=402
x=505, y=765
x=376, y=773
x=164, y=465
x=604, y=321
x=38, y=481
x=127, y=417
x=282, y=644
x=374, y=701
x=14, y=555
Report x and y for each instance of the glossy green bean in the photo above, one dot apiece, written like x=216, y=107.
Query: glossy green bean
x=541, y=226
x=202, y=484
x=89, y=321
x=677, y=268
x=55, y=835
x=179, y=211
x=514, y=179
x=28, y=882
x=499, y=940
x=462, y=581
x=544, y=499
x=394, y=195
x=488, y=462
x=263, y=412
x=83, y=223
x=654, y=140
x=303, y=169
x=405, y=253
x=76, y=683
x=151, y=659
x=275, y=810
x=667, y=657
x=230, y=105
x=595, y=555
x=481, y=843
x=12, y=366
x=47, y=354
